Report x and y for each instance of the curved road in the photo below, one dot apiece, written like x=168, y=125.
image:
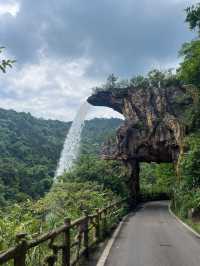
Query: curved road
x=152, y=237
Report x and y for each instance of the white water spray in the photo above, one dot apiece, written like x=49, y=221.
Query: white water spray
x=72, y=142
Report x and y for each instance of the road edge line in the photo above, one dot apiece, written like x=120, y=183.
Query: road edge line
x=102, y=260
x=183, y=224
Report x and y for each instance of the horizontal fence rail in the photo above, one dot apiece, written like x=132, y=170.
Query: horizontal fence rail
x=68, y=244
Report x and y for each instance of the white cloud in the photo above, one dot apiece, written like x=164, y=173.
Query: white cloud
x=11, y=8
x=142, y=38
x=50, y=89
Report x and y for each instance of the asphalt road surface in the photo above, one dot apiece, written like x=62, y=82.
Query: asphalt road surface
x=152, y=237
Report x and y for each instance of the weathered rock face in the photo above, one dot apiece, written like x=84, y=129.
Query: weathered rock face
x=153, y=127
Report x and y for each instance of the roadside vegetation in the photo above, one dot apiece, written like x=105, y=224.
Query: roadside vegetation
x=186, y=199
x=67, y=199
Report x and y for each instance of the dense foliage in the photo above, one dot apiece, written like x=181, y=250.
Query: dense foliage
x=193, y=17
x=186, y=197
x=187, y=189
x=190, y=67
x=30, y=149
x=157, y=181
x=111, y=175
x=67, y=199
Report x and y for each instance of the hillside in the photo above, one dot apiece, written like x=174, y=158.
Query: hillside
x=30, y=148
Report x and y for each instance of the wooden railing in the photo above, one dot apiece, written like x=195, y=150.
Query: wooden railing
x=68, y=244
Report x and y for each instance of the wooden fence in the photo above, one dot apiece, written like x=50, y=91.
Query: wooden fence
x=66, y=245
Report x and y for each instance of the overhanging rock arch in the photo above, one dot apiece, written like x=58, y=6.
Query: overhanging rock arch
x=153, y=129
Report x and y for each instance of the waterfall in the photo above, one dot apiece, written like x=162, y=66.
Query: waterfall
x=72, y=142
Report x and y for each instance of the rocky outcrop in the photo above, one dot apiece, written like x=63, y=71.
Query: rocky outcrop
x=153, y=128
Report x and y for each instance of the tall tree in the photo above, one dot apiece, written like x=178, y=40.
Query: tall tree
x=190, y=67
x=193, y=17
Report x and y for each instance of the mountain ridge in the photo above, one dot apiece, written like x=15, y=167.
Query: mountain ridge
x=30, y=148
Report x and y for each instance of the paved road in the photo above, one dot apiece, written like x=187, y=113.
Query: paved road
x=152, y=237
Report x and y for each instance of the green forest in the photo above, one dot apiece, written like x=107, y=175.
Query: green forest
x=30, y=149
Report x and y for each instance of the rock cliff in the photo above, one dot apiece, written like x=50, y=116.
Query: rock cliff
x=153, y=128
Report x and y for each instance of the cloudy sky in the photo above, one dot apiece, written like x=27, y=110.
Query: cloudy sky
x=65, y=47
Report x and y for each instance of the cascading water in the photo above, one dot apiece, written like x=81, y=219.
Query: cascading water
x=72, y=142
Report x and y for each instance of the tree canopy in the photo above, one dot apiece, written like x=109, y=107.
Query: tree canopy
x=193, y=16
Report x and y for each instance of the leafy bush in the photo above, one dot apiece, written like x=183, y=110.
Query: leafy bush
x=190, y=162
x=154, y=193
x=111, y=175
x=190, y=67
x=157, y=181
x=70, y=199
x=186, y=194
x=184, y=200
x=67, y=199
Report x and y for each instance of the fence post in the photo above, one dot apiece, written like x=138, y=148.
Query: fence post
x=105, y=229
x=97, y=227
x=20, y=256
x=66, y=244
x=86, y=234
